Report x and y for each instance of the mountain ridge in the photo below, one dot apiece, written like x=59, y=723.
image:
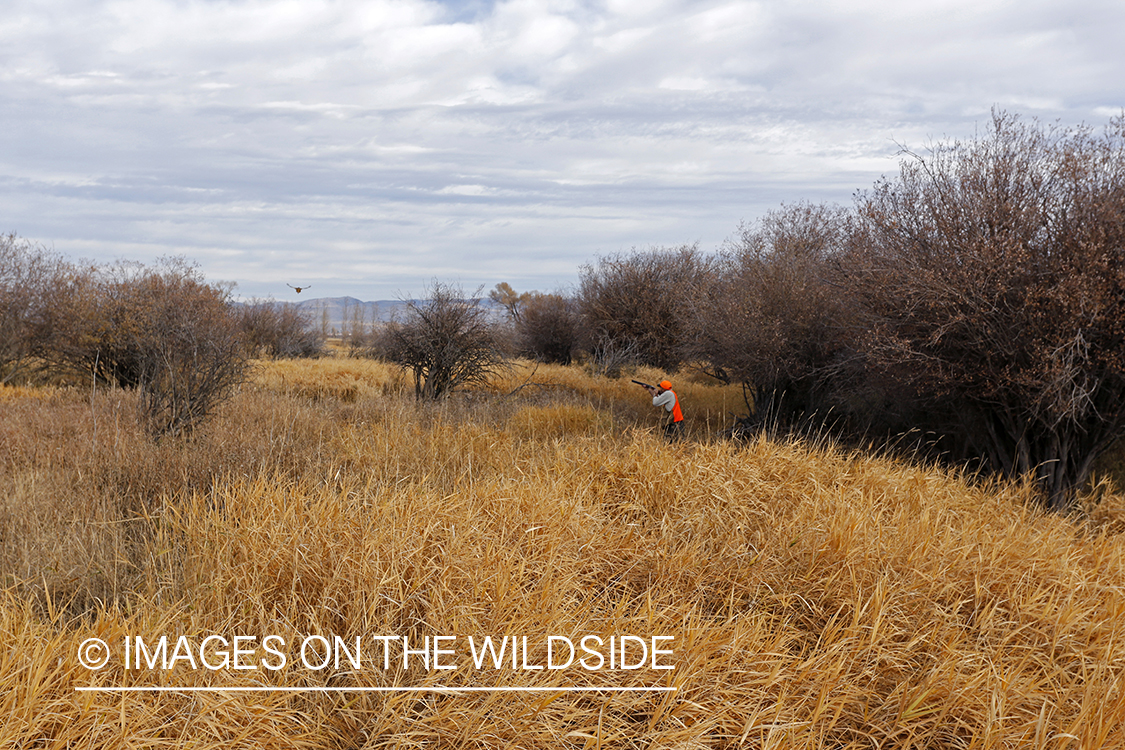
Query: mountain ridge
x=333, y=314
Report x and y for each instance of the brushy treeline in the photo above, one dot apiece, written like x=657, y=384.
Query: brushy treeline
x=973, y=306
x=162, y=330
x=816, y=598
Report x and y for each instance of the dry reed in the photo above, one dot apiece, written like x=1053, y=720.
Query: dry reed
x=817, y=598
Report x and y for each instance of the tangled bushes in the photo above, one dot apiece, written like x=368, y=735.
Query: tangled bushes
x=161, y=330
x=29, y=277
x=549, y=328
x=977, y=298
x=446, y=341
x=990, y=276
x=771, y=315
x=641, y=301
x=191, y=350
x=275, y=329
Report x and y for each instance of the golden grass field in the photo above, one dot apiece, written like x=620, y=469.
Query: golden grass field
x=814, y=597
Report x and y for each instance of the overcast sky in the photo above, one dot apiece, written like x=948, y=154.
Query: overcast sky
x=366, y=147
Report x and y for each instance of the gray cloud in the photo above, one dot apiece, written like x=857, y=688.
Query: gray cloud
x=366, y=148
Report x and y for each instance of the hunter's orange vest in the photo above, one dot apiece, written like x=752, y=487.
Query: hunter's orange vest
x=677, y=415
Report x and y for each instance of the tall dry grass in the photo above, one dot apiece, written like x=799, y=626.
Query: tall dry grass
x=818, y=598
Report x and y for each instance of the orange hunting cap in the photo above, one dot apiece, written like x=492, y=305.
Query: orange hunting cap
x=666, y=385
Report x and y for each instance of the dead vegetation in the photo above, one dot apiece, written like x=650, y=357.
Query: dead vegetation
x=817, y=598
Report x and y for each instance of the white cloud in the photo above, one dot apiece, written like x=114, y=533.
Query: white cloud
x=255, y=134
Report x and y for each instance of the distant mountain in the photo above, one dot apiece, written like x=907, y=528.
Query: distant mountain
x=334, y=314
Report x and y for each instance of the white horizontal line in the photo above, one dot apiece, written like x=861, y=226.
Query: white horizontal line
x=436, y=689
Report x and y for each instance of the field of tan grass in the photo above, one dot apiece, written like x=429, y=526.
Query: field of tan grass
x=810, y=596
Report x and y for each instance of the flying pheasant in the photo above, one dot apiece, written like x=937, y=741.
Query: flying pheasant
x=298, y=288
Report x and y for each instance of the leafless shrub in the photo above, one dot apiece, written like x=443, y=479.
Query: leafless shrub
x=993, y=275
x=549, y=327
x=642, y=300
x=162, y=330
x=772, y=316
x=193, y=354
x=609, y=357
x=28, y=278
x=101, y=324
x=275, y=329
x=447, y=341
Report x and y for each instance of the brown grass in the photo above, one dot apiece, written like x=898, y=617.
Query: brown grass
x=817, y=598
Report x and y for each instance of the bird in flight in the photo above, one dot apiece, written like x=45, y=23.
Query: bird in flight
x=298, y=288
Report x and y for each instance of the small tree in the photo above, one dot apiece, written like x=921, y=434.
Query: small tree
x=163, y=331
x=549, y=328
x=29, y=278
x=275, y=329
x=101, y=325
x=773, y=315
x=507, y=297
x=641, y=302
x=993, y=275
x=446, y=341
x=192, y=351
x=358, y=332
